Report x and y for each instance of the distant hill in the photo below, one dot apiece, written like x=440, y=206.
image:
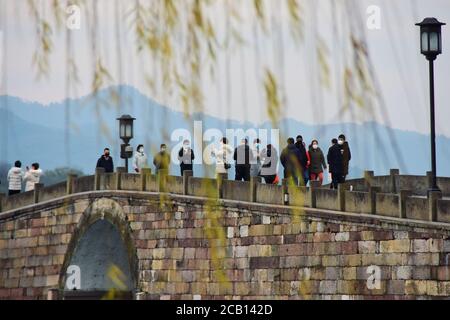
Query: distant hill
x=37, y=133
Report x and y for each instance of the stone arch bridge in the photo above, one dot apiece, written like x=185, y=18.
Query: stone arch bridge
x=163, y=237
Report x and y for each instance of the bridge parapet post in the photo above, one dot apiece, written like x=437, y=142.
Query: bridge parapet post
x=118, y=177
x=285, y=184
x=403, y=196
x=2, y=201
x=253, y=187
x=368, y=179
x=37, y=191
x=141, y=296
x=161, y=179
x=429, y=179
x=97, y=178
x=145, y=172
x=433, y=197
x=186, y=175
x=53, y=294
x=342, y=188
x=373, y=198
x=70, y=183
x=394, y=173
x=313, y=186
x=221, y=177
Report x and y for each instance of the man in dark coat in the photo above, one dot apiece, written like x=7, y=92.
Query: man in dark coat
x=346, y=155
x=242, y=156
x=162, y=159
x=186, y=157
x=291, y=159
x=335, y=164
x=303, y=157
x=106, y=161
x=300, y=144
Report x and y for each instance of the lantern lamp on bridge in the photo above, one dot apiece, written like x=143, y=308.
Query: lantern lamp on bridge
x=126, y=131
x=431, y=47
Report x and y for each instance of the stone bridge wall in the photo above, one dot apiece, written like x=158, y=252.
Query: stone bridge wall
x=189, y=246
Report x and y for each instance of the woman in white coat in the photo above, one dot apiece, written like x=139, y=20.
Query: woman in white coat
x=140, y=160
x=32, y=176
x=223, y=156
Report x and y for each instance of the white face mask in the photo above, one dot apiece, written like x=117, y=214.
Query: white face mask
x=315, y=146
x=141, y=150
x=341, y=142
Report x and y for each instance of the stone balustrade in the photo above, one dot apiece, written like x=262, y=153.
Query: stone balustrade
x=387, y=196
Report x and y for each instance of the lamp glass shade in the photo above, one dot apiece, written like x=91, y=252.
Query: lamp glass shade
x=122, y=130
x=424, y=42
x=434, y=42
x=129, y=130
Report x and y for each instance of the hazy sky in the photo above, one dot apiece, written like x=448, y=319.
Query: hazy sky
x=394, y=49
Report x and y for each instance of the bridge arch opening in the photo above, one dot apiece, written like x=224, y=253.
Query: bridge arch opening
x=101, y=261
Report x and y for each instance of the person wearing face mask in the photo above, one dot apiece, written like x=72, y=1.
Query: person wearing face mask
x=223, y=157
x=106, y=161
x=186, y=157
x=255, y=168
x=346, y=156
x=317, y=164
x=335, y=164
x=140, y=160
x=162, y=159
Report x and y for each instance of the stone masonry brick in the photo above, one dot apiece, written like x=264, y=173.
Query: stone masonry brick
x=396, y=246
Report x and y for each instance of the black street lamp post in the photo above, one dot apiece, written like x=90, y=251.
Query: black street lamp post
x=126, y=134
x=431, y=47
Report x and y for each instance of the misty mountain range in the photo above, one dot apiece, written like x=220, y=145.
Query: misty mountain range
x=33, y=132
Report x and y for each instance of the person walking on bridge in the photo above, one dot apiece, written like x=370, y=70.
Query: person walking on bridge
x=303, y=160
x=335, y=163
x=346, y=156
x=140, y=160
x=32, y=177
x=255, y=169
x=317, y=164
x=291, y=159
x=15, y=178
x=162, y=159
x=242, y=157
x=269, y=167
x=106, y=161
x=223, y=156
x=186, y=157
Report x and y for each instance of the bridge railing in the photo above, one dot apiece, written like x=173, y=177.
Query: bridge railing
x=394, y=182
x=380, y=196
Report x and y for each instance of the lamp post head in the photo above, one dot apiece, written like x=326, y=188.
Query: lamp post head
x=430, y=37
x=126, y=127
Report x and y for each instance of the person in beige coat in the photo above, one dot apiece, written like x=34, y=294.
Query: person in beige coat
x=32, y=176
x=223, y=156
